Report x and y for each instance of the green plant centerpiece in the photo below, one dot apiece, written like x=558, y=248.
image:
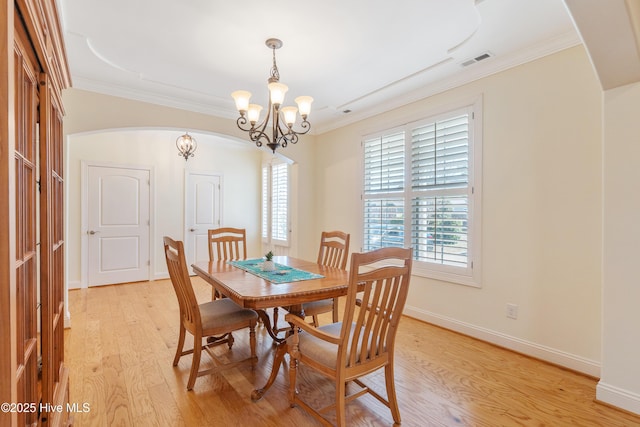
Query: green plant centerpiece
x=268, y=265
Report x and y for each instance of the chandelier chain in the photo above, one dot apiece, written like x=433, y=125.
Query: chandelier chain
x=275, y=74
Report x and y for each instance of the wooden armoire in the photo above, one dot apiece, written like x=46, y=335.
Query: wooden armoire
x=34, y=72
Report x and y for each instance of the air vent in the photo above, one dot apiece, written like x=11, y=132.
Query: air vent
x=478, y=58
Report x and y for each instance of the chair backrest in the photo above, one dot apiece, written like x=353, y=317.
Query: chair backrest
x=177, y=266
x=227, y=244
x=334, y=249
x=375, y=300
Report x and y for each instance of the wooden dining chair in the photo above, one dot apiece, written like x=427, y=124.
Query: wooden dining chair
x=364, y=341
x=334, y=252
x=226, y=244
x=214, y=319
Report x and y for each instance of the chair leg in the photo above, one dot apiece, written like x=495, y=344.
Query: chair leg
x=391, y=392
x=335, y=311
x=341, y=412
x=180, y=345
x=315, y=322
x=252, y=345
x=195, y=363
x=294, y=353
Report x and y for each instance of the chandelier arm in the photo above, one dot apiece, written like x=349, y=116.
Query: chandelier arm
x=257, y=133
x=258, y=136
x=287, y=138
x=306, y=127
x=241, y=122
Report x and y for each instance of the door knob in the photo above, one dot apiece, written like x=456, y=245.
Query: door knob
x=92, y=232
x=192, y=229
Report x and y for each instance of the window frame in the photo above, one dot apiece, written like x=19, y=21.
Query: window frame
x=471, y=274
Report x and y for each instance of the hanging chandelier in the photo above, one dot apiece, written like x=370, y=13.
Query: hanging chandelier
x=282, y=119
x=186, y=145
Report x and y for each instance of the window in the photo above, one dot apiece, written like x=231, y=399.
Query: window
x=275, y=203
x=421, y=190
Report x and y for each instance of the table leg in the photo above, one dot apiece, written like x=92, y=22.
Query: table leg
x=281, y=350
x=271, y=329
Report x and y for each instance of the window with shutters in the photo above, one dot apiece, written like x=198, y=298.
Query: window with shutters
x=275, y=203
x=422, y=190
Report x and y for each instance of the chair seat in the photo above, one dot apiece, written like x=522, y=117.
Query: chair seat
x=223, y=314
x=319, y=350
x=322, y=306
x=322, y=351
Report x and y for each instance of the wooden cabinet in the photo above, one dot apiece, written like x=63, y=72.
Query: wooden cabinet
x=34, y=71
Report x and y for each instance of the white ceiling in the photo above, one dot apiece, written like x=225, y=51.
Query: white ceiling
x=366, y=56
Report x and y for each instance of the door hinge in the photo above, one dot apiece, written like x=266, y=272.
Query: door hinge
x=148, y=262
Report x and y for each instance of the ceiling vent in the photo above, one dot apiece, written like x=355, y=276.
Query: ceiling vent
x=478, y=58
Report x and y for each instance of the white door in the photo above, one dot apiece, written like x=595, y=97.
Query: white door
x=118, y=225
x=203, y=207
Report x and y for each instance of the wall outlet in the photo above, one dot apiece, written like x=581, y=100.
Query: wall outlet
x=512, y=311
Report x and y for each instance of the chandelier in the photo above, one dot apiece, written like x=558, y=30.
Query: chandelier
x=186, y=145
x=282, y=119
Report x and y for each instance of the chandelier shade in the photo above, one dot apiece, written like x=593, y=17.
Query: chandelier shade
x=281, y=119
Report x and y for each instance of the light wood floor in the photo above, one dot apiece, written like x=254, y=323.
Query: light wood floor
x=122, y=342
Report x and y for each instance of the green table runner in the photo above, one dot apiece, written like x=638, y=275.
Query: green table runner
x=282, y=273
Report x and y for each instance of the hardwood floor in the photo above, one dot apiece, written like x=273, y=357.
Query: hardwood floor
x=123, y=337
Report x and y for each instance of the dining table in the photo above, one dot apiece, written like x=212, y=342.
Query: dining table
x=293, y=283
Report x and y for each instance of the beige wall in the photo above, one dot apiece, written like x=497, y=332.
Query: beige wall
x=620, y=380
x=542, y=209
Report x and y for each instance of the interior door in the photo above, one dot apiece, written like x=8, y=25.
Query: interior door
x=118, y=225
x=203, y=207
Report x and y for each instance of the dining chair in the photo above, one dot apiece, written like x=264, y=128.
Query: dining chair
x=363, y=342
x=333, y=252
x=226, y=244
x=214, y=319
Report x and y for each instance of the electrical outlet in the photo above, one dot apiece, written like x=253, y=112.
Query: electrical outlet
x=512, y=311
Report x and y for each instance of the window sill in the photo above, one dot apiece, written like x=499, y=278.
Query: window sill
x=419, y=269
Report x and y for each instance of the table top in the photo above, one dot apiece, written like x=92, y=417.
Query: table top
x=251, y=291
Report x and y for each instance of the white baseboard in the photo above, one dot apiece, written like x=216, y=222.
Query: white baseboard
x=557, y=357
x=618, y=397
x=160, y=276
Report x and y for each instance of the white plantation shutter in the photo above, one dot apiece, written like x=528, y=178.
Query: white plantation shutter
x=384, y=164
x=439, y=230
x=419, y=192
x=440, y=183
x=384, y=175
x=280, y=203
x=440, y=154
x=265, y=202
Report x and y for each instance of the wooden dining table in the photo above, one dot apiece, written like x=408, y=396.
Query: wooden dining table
x=251, y=291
